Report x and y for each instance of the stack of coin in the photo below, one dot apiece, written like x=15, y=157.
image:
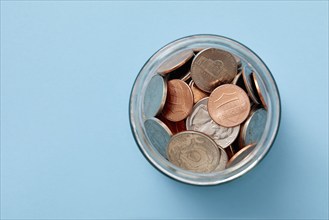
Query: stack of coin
x=204, y=110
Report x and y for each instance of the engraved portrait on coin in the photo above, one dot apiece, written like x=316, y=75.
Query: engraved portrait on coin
x=212, y=67
x=199, y=120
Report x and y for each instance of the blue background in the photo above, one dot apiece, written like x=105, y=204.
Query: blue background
x=67, y=69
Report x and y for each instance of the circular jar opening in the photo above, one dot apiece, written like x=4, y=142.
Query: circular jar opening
x=138, y=113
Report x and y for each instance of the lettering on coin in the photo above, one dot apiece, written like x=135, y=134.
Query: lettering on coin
x=228, y=105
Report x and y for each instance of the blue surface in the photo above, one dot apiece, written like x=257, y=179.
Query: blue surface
x=67, y=69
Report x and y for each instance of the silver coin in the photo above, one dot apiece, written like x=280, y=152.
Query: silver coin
x=253, y=128
x=200, y=120
x=158, y=134
x=155, y=96
x=222, y=160
x=240, y=155
x=193, y=151
x=246, y=74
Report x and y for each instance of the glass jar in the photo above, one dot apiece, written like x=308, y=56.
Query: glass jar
x=270, y=93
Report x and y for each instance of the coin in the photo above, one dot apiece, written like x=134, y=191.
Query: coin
x=158, y=134
x=240, y=155
x=212, y=67
x=198, y=49
x=175, y=127
x=222, y=160
x=199, y=120
x=155, y=96
x=193, y=151
x=253, y=128
x=198, y=94
x=179, y=101
x=260, y=89
x=186, y=77
x=174, y=62
x=228, y=105
x=230, y=151
x=246, y=75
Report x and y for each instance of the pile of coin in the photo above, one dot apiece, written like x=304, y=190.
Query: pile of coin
x=204, y=110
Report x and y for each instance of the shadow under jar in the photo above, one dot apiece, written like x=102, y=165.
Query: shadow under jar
x=139, y=113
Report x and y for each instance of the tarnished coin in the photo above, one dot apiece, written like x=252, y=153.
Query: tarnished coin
x=175, y=127
x=222, y=160
x=253, y=128
x=175, y=61
x=198, y=94
x=240, y=155
x=186, y=77
x=198, y=49
x=228, y=105
x=179, y=101
x=155, y=96
x=230, y=151
x=260, y=89
x=199, y=120
x=212, y=67
x=158, y=134
x=246, y=74
x=193, y=151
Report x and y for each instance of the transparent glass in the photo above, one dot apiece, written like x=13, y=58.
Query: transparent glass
x=271, y=95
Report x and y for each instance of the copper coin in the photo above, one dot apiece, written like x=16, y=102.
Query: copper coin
x=228, y=105
x=230, y=151
x=240, y=155
x=179, y=101
x=175, y=61
x=212, y=67
x=246, y=75
x=186, y=77
x=175, y=127
x=198, y=94
x=260, y=89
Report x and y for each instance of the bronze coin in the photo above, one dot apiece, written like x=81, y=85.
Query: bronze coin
x=198, y=94
x=212, y=67
x=186, y=77
x=240, y=155
x=228, y=105
x=179, y=101
x=174, y=62
x=260, y=89
x=175, y=127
